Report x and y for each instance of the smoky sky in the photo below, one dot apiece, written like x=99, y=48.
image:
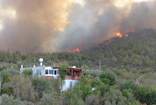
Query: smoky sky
x=62, y=25
x=100, y=19
x=34, y=25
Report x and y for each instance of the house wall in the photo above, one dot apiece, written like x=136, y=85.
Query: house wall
x=39, y=71
x=68, y=83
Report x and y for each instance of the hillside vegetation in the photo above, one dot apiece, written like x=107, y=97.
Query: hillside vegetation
x=122, y=72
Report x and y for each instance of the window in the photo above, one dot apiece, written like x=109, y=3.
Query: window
x=50, y=71
x=46, y=72
x=39, y=72
x=55, y=72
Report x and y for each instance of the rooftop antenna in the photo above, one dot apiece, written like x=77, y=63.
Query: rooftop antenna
x=34, y=62
x=41, y=60
x=53, y=64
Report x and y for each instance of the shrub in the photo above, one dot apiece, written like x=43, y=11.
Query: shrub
x=64, y=70
x=48, y=99
x=103, y=88
x=128, y=84
x=22, y=87
x=126, y=92
x=27, y=72
x=73, y=97
x=92, y=100
x=108, y=77
x=115, y=97
x=146, y=95
x=41, y=85
x=6, y=77
x=10, y=100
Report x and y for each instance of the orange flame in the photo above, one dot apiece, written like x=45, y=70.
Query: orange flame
x=126, y=35
x=131, y=30
x=75, y=50
x=118, y=34
x=109, y=40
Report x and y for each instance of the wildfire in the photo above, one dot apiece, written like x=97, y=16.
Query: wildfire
x=126, y=35
x=108, y=41
x=131, y=30
x=118, y=34
x=75, y=50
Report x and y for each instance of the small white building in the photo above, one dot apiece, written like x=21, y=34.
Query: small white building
x=52, y=72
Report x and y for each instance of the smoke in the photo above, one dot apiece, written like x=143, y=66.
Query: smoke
x=142, y=15
x=34, y=24
x=62, y=25
x=101, y=19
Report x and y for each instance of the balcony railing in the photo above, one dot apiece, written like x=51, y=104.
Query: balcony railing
x=73, y=77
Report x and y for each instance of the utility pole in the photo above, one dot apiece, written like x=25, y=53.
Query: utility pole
x=100, y=65
x=53, y=63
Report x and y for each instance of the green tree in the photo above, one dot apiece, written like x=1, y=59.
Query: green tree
x=10, y=100
x=128, y=84
x=22, y=88
x=41, y=85
x=48, y=99
x=103, y=88
x=146, y=95
x=115, y=97
x=6, y=77
x=63, y=71
x=92, y=100
x=108, y=77
x=73, y=97
x=87, y=85
x=27, y=72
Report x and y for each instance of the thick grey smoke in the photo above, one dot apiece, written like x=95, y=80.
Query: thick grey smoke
x=89, y=29
x=36, y=27
x=98, y=20
x=142, y=15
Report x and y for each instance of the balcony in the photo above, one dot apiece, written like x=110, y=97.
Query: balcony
x=73, y=77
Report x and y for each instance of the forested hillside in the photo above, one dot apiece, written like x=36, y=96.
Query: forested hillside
x=121, y=69
x=135, y=53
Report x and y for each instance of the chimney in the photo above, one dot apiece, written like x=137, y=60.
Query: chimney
x=41, y=60
x=21, y=66
x=34, y=63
